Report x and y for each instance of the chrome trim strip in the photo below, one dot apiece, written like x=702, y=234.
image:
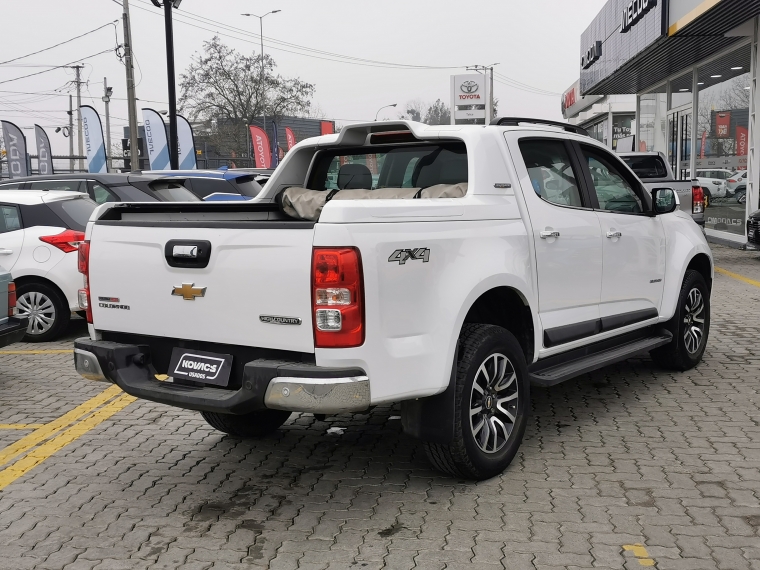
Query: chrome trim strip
x=318, y=395
x=87, y=365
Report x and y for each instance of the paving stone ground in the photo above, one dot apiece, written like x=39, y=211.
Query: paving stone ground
x=624, y=456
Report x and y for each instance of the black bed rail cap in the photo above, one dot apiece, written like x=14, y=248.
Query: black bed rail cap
x=515, y=121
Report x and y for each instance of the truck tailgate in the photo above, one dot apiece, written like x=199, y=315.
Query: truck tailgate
x=252, y=273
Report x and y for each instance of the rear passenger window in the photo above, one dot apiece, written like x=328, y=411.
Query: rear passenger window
x=9, y=219
x=551, y=172
x=70, y=185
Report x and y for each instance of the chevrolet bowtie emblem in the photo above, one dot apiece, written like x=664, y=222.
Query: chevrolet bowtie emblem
x=188, y=292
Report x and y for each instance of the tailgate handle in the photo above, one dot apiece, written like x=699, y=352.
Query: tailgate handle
x=187, y=253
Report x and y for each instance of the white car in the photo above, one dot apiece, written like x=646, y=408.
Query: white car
x=40, y=231
x=736, y=180
x=714, y=181
x=483, y=259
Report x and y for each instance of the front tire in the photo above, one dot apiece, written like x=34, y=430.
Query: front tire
x=246, y=426
x=47, y=309
x=690, y=326
x=492, y=399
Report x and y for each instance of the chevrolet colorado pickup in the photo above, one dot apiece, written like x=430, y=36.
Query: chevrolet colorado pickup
x=447, y=268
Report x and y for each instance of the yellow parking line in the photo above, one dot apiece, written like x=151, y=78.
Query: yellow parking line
x=638, y=550
x=737, y=276
x=28, y=442
x=49, y=351
x=21, y=426
x=44, y=451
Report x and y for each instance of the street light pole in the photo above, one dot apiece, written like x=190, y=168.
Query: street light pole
x=173, y=143
x=261, y=75
x=384, y=107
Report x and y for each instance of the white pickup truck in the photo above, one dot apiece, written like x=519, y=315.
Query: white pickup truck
x=334, y=293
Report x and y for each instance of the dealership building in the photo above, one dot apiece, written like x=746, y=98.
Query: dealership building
x=692, y=66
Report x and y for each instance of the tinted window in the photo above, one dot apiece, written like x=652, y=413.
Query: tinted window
x=175, y=193
x=10, y=186
x=39, y=215
x=247, y=185
x=74, y=212
x=551, y=172
x=647, y=166
x=101, y=194
x=387, y=167
x=9, y=219
x=614, y=192
x=132, y=194
x=71, y=185
x=202, y=187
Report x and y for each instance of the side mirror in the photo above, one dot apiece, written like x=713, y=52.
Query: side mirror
x=664, y=201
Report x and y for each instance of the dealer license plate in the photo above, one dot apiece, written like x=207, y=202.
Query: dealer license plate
x=200, y=366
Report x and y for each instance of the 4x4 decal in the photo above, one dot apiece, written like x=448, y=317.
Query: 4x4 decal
x=402, y=255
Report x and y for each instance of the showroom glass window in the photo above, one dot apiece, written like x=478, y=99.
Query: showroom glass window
x=599, y=131
x=722, y=124
x=622, y=130
x=653, y=109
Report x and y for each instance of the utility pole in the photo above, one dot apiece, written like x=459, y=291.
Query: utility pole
x=134, y=149
x=80, y=148
x=71, y=134
x=173, y=142
x=107, y=99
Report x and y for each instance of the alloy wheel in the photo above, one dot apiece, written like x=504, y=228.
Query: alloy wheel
x=493, y=403
x=694, y=319
x=40, y=310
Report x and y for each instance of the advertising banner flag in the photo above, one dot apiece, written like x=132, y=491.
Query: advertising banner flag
x=326, y=127
x=156, y=144
x=371, y=161
x=186, y=142
x=704, y=144
x=94, y=146
x=15, y=150
x=291, y=137
x=44, y=154
x=742, y=140
x=275, y=146
x=723, y=125
x=261, y=151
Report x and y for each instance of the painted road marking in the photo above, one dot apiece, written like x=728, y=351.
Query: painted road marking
x=21, y=426
x=49, y=351
x=37, y=436
x=44, y=451
x=728, y=273
x=638, y=550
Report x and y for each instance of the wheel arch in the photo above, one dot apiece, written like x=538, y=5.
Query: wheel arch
x=702, y=264
x=508, y=308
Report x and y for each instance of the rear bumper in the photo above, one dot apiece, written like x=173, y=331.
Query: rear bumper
x=13, y=330
x=273, y=384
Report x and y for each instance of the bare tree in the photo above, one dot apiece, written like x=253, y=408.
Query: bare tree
x=437, y=113
x=228, y=89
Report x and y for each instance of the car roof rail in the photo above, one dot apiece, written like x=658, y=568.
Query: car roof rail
x=515, y=121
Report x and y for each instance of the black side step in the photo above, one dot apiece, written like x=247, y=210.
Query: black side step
x=556, y=369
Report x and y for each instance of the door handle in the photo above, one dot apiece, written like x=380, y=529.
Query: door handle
x=614, y=234
x=549, y=234
x=6, y=251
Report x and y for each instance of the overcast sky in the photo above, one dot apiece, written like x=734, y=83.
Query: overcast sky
x=536, y=43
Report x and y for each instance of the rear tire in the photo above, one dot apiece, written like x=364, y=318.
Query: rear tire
x=250, y=425
x=47, y=309
x=690, y=326
x=491, y=377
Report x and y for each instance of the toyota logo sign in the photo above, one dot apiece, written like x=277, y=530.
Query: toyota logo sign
x=469, y=87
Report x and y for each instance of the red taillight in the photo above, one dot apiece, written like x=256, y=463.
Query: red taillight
x=697, y=200
x=337, y=297
x=83, y=264
x=11, y=299
x=732, y=181
x=67, y=241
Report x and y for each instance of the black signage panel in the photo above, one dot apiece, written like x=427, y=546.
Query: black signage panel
x=625, y=28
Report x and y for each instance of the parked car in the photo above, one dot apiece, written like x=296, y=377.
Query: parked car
x=12, y=327
x=39, y=234
x=112, y=187
x=736, y=181
x=203, y=183
x=654, y=172
x=714, y=182
x=753, y=229
x=449, y=285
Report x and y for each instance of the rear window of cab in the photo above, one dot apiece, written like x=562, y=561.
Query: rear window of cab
x=403, y=166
